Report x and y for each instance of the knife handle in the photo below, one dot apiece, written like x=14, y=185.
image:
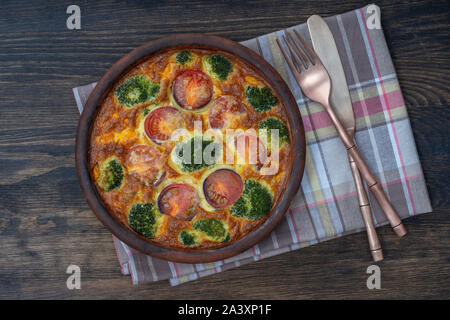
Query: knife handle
x=374, y=186
x=364, y=206
x=377, y=191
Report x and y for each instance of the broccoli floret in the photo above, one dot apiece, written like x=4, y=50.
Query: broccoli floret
x=111, y=174
x=189, y=237
x=213, y=229
x=255, y=202
x=188, y=162
x=184, y=57
x=218, y=66
x=135, y=90
x=260, y=98
x=146, y=111
x=144, y=219
x=227, y=238
x=277, y=124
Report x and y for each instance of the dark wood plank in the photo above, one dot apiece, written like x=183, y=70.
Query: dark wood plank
x=45, y=224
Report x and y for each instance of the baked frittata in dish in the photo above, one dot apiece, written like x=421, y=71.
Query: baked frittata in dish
x=191, y=148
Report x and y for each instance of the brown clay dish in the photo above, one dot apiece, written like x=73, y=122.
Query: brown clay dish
x=169, y=196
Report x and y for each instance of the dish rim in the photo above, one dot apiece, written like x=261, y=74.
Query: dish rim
x=125, y=64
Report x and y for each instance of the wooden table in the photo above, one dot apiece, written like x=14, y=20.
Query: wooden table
x=46, y=225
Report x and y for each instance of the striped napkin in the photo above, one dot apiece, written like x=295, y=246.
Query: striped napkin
x=326, y=205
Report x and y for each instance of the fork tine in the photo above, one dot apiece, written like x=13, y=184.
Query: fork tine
x=300, y=50
x=294, y=54
x=286, y=56
x=312, y=54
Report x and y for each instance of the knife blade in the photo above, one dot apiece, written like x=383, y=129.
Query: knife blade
x=325, y=47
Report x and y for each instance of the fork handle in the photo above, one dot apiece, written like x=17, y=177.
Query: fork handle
x=366, y=213
x=374, y=186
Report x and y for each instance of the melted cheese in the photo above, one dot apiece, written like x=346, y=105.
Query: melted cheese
x=125, y=135
x=251, y=80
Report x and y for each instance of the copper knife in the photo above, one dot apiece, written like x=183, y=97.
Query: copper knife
x=325, y=47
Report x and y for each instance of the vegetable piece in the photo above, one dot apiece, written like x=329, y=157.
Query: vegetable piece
x=110, y=175
x=136, y=90
x=147, y=109
x=255, y=202
x=250, y=150
x=196, y=154
x=192, y=89
x=222, y=109
x=178, y=200
x=273, y=123
x=222, y=188
x=260, y=98
x=162, y=122
x=146, y=163
x=213, y=229
x=218, y=66
x=144, y=219
x=184, y=57
x=189, y=237
x=227, y=238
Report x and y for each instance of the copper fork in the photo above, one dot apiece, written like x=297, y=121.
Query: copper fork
x=313, y=79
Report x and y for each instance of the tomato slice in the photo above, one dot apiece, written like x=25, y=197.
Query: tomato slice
x=250, y=149
x=146, y=163
x=222, y=109
x=192, y=89
x=178, y=200
x=161, y=122
x=222, y=188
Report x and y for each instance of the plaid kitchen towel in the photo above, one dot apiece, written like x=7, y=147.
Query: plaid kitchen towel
x=326, y=205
